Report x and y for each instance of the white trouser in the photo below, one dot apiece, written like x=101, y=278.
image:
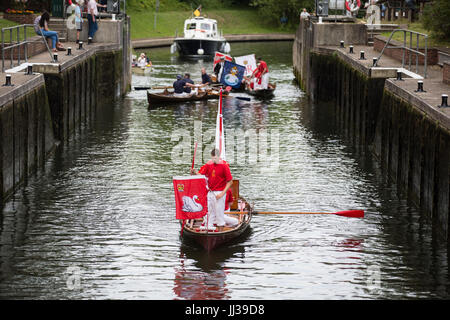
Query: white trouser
x=230, y=221
x=264, y=82
x=216, y=209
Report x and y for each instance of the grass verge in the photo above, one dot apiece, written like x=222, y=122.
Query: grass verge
x=231, y=21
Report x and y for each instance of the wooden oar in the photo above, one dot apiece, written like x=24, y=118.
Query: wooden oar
x=347, y=213
x=147, y=88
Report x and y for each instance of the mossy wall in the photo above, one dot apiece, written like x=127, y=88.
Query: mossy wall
x=26, y=138
x=356, y=97
x=31, y=124
x=76, y=93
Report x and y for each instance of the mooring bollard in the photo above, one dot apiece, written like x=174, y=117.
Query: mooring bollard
x=80, y=45
x=29, y=70
x=342, y=43
x=361, y=55
x=419, y=86
x=8, y=81
x=444, y=102
x=374, y=62
x=351, y=49
x=69, y=51
x=399, y=76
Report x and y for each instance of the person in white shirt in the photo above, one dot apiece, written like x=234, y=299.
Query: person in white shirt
x=92, y=18
x=142, y=61
x=304, y=14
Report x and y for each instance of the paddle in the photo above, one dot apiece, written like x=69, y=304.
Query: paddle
x=147, y=88
x=347, y=213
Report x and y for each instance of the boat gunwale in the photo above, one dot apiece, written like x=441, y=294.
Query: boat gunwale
x=242, y=226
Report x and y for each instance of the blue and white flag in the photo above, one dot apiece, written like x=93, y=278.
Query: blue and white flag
x=232, y=74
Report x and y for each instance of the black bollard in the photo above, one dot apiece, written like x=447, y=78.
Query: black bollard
x=8, y=81
x=399, y=76
x=361, y=55
x=374, y=63
x=444, y=102
x=29, y=70
x=69, y=51
x=419, y=86
x=351, y=49
x=80, y=45
x=342, y=43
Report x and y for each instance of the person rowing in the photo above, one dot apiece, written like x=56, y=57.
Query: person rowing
x=206, y=80
x=178, y=87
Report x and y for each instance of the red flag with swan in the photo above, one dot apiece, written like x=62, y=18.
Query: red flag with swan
x=190, y=196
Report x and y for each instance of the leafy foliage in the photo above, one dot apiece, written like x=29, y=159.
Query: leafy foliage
x=436, y=18
x=275, y=10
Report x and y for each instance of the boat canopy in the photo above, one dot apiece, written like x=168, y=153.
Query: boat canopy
x=200, y=28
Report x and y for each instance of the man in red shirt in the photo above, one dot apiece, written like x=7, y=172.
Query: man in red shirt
x=261, y=75
x=219, y=181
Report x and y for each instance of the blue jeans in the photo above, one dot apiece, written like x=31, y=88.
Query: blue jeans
x=92, y=26
x=52, y=35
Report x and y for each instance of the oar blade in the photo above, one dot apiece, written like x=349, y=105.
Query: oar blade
x=351, y=213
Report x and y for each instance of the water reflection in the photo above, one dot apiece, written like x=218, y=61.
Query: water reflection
x=206, y=278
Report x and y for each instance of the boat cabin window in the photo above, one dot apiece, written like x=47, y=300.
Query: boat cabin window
x=205, y=26
x=191, y=26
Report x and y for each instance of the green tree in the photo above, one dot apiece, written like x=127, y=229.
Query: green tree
x=436, y=18
x=274, y=10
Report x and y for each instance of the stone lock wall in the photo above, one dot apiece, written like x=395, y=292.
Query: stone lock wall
x=413, y=149
x=26, y=138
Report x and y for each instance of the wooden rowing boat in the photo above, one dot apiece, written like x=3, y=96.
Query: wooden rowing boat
x=210, y=239
x=263, y=93
x=168, y=97
x=141, y=70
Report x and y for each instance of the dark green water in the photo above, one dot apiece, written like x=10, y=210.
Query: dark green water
x=99, y=221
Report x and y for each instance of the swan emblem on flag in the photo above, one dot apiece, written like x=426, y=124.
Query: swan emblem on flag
x=189, y=204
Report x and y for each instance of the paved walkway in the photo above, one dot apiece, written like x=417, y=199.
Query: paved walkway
x=427, y=102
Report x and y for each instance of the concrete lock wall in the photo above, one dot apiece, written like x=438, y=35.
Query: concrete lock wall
x=413, y=150
x=26, y=137
x=32, y=123
x=78, y=91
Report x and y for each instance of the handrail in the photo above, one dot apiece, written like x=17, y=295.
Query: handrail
x=18, y=44
x=410, y=49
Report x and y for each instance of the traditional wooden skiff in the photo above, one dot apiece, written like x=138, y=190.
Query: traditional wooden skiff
x=167, y=97
x=210, y=239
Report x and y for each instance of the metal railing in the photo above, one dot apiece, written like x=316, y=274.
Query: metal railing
x=409, y=49
x=19, y=44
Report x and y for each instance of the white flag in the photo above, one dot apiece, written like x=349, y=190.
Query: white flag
x=249, y=62
x=220, y=138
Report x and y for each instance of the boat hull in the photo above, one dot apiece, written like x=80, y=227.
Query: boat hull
x=158, y=98
x=211, y=240
x=141, y=70
x=189, y=47
x=262, y=94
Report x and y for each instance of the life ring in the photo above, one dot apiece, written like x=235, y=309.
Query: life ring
x=347, y=5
